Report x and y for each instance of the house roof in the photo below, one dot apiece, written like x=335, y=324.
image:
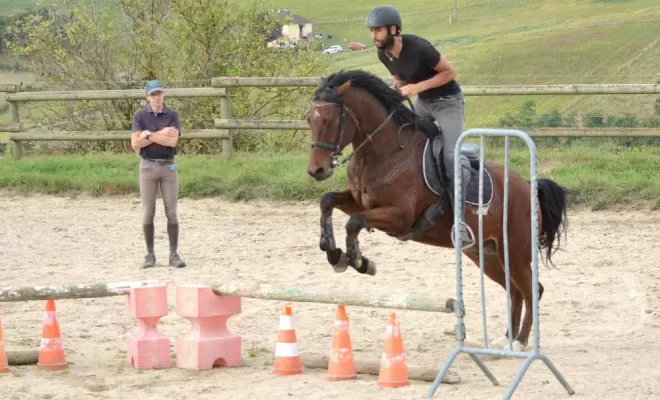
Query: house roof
x=297, y=19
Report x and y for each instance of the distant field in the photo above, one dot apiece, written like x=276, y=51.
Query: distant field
x=510, y=42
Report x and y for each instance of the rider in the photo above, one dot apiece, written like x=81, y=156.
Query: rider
x=418, y=69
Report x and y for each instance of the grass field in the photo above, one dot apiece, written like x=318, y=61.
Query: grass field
x=494, y=43
x=597, y=176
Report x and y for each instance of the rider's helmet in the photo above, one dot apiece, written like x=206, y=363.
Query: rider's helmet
x=384, y=16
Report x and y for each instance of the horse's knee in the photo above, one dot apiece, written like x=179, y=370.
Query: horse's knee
x=327, y=202
x=355, y=223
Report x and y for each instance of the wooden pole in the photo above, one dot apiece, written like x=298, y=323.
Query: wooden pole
x=373, y=368
x=110, y=135
x=266, y=291
x=522, y=90
x=227, y=143
x=533, y=132
x=16, y=121
x=22, y=357
x=56, y=292
x=112, y=94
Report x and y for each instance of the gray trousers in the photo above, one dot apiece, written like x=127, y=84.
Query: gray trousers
x=449, y=113
x=152, y=176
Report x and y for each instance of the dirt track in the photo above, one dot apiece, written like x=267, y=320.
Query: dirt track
x=599, y=314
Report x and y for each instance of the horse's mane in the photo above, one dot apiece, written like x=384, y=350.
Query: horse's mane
x=389, y=98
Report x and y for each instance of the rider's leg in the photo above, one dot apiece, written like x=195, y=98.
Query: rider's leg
x=449, y=112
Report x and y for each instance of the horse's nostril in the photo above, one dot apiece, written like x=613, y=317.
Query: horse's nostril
x=319, y=171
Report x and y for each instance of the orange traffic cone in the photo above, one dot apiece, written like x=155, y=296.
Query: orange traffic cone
x=4, y=365
x=287, y=357
x=393, y=368
x=51, y=351
x=341, y=365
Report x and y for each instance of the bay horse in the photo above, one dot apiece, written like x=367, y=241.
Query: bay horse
x=395, y=187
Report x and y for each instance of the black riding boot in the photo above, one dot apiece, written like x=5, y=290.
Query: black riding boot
x=467, y=236
x=173, y=234
x=150, y=259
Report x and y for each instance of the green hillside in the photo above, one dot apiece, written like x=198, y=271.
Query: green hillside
x=508, y=42
x=518, y=42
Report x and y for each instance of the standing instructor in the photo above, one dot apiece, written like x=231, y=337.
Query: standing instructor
x=156, y=130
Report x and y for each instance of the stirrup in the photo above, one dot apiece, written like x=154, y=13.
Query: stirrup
x=464, y=244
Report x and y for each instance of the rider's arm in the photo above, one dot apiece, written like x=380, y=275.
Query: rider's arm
x=445, y=71
x=398, y=82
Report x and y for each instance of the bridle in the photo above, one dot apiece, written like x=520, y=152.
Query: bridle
x=336, y=147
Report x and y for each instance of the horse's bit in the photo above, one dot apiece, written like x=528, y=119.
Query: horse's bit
x=335, y=147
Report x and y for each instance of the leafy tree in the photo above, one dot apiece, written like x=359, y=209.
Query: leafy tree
x=183, y=43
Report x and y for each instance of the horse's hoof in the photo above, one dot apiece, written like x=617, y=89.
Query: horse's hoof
x=501, y=343
x=371, y=267
x=334, y=256
x=341, y=265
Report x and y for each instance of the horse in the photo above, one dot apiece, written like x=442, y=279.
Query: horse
x=395, y=187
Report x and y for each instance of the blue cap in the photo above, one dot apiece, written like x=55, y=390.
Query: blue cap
x=153, y=86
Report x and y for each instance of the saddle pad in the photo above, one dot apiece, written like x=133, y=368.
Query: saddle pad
x=434, y=183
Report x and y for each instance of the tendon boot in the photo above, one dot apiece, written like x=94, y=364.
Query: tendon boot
x=150, y=259
x=173, y=234
x=467, y=236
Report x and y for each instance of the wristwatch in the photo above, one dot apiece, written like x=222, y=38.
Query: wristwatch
x=148, y=134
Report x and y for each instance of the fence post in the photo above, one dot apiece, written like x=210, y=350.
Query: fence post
x=16, y=120
x=225, y=112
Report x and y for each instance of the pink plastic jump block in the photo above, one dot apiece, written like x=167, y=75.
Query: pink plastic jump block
x=209, y=343
x=146, y=347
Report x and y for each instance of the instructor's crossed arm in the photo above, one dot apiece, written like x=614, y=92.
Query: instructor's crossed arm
x=168, y=136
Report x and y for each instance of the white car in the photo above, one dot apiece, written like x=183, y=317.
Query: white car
x=333, y=49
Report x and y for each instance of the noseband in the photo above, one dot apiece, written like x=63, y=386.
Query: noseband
x=336, y=147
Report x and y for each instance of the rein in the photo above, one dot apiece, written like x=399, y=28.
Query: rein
x=336, y=147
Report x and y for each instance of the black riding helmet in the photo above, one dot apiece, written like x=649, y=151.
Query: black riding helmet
x=384, y=16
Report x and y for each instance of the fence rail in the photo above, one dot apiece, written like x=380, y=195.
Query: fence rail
x=224, y=124
x=18, y=135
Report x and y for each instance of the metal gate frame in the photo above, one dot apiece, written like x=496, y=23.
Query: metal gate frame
x=473, y=352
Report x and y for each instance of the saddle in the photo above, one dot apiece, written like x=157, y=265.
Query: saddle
x=435, y=178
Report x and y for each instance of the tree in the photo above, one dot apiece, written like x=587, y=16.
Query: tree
x=183, y=43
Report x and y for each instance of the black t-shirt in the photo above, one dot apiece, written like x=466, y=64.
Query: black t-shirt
x=415, y=64
x=146, y=119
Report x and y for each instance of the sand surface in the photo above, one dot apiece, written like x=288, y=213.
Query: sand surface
x=599, y=314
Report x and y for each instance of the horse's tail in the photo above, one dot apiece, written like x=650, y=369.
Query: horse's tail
x=552, y=199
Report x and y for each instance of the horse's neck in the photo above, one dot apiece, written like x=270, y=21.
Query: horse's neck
x=378, y=132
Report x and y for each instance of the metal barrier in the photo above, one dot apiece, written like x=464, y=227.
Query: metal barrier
x=459, y=308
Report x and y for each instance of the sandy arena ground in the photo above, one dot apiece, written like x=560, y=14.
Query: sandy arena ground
x=599, y=314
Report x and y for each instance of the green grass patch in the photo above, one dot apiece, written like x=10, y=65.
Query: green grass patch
x=597, y=177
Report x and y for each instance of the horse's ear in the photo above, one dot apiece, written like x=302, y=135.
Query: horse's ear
x=344, y=87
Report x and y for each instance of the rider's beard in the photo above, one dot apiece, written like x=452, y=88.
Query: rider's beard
x=387, y=43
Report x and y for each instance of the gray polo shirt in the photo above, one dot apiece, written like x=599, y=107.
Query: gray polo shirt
x=146, y=119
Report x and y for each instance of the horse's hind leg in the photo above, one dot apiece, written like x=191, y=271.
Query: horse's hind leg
x=523, y=280
x=495, y=271
x=331, y=200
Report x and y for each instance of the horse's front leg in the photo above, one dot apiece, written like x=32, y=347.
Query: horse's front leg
x=391, y=220
x=331, y=200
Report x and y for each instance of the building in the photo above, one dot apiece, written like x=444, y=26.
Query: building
x=300, y=28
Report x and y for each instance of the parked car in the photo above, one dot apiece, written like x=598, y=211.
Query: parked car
x=333, y=49
x=356, y=46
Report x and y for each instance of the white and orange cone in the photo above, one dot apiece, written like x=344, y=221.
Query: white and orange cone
x=341, y=365
x=51, y=351
x=287, y=357
x=393, y=368
x=4, y=365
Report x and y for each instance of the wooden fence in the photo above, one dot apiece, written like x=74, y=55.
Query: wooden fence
x=18, y=134
x=225, y=123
